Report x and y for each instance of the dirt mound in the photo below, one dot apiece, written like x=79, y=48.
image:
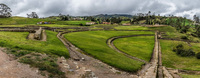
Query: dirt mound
x=10, y=68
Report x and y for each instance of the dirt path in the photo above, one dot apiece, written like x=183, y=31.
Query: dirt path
x=10, y=68
x=44, y=36
x=85, y=64
x=111, y=45
x=151, y=72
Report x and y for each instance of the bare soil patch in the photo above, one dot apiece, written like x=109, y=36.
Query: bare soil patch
x=11, y=68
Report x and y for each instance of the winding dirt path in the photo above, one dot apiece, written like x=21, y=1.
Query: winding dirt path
x=111, y=45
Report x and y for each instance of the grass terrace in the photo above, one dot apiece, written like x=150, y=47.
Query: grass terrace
x=17, y=40
x=133, y=45
x=94, y=43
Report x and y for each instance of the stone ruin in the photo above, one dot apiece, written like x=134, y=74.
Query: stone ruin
x=38, y=34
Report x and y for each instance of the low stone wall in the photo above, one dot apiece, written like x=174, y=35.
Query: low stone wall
x=18, y=30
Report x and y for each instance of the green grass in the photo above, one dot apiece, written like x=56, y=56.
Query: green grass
x=164, y=29
x=170, y=31
x=141, y=46
x=125, y=22
x=22, y=21
x=18, y=40
x=196, y=47
x=131, y=28
x=72, y=22
x=172, y=60
x=94, y=43
x=189, y=76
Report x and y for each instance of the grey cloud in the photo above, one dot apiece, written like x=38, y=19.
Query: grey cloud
x=92, y=7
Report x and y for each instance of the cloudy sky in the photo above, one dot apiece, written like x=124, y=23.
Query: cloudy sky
x=43, y=8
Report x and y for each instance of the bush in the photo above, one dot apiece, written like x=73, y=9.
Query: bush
x=198, y=55
x=22, y=53
x=184, y=37
x=183, y=52
x=186, y=53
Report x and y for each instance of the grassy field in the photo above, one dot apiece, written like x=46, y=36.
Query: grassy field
x=125, y=22
x=189, y=76
x=17, y=40
x=22, y=21
x=171, y=32
x=45, y=25
x=131, y=28
x=133, y=45
x=94, y=43
x=172, y=60
x=72, y=22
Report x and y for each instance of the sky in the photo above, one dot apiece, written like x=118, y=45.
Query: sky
x=45, y=8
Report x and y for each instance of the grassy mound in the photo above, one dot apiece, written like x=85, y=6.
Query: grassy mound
x=141, y=46
x=94, y=43
x=18, y=40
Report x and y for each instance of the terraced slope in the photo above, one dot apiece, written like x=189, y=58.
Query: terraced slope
x=94, y=44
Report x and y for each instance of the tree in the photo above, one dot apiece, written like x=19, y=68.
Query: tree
x=5, y=11
x=115, y=20
x=32, y=15
x=64, y=17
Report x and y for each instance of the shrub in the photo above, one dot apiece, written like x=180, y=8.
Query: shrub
x=198, y=55
x=187, y=53
x=183, y=52
x=184, y=37
x=22, y=53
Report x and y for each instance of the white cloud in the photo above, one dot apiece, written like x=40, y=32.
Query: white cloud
x=93, y=7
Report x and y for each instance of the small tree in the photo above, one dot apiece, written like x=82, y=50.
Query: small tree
x=32, y=15
x=64, y=17
x=5, y=11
